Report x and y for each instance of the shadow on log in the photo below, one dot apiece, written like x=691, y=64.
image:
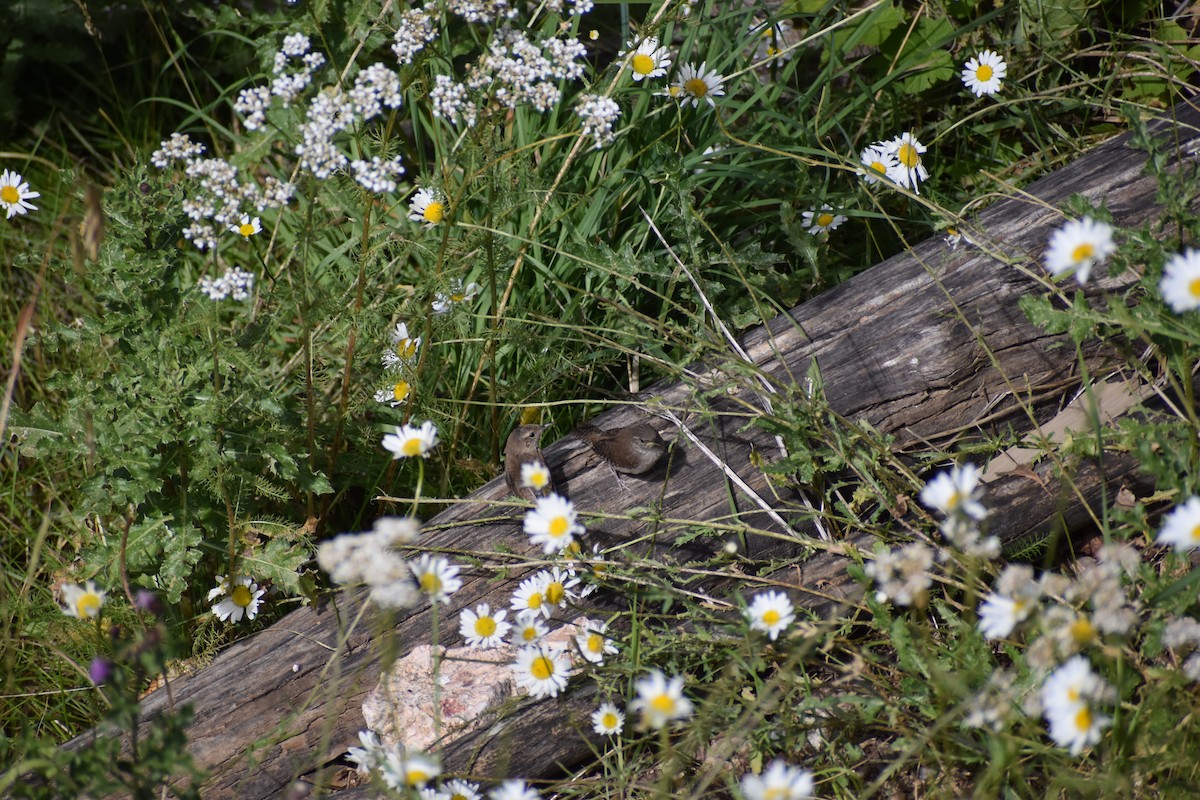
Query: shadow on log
x=925, y=347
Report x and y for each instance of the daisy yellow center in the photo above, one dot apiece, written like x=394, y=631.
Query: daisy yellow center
x=1196, y=533
x=673, y=91
x=558, y=526
x=9, y=194
x=879, y=167
x=663, y=704
x=412, y=446
x=1082, y=630
x=457, y=297
x=595, y=643
x=824, y=219
x=400, y=391
x=529, y=634
x=458, y=797
x=539, y=478
x=417, y=776
x=485, y=627
x=554, y=593
x=1083, y=719
x=431, y=583
x=696, y=87
x=406, y=348
x=241, y=595
x=541, y=668
x=246, y=229
x=434, y=212
x=908, y=155
x=954, y=501
x=984, y=73
x=1073, y=694
x=1083, y=252
x=609, y=720
x=1194, y=287
x=88, y=604
x=772, y=50
x=535, y=600
x=643, y=64
x=771, y=617
x=777, y=793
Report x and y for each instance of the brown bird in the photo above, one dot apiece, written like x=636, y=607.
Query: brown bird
x=522, y=448
x=633, y=449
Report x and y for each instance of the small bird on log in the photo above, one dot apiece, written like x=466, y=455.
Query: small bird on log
x=522, y=447
x=632, y=449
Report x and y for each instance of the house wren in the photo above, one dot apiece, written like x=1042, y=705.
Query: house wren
x=632, y=449
x=522, y=448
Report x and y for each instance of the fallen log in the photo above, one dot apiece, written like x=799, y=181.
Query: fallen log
x=925, y=347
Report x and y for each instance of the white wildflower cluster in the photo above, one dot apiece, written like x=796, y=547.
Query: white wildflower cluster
x=417, y=28
x=1183, y=636
x=329, y=113
x=375, y=87
x=402, y=768
x=1071, y=699
x=452, y=101
x=779, y=781
x=483, y=11
x=955, y=495
x=399, y=362
x=995, y=704
x=235, y=283
x=516, y=71
x=377, y=175
x=288, y=86
x=371, y=558
x=902, y=575
x=216, y=206
x=771, y=42
x=898, y=160
x=597, y=115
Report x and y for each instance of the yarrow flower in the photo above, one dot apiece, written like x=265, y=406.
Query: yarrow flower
x=370, y=558
x=428, y=206
x=902, y=575
x=377, y=175
x=542, y=672
x=596, y=116
x=552, y=523
x=409, y=441
x=1079, y=245
x=984, y=73
x=482, y=627
x=1181, y=528
x=780, y=781
x=1070, y=700
x=821, y=221
x=660, y=700
x=243, y=600
x=247, y=227
x=437, y=577
x=15, y=194
x=771, y=612
x=608, y=720
x=699, y=84
x=1180, y=285
x=82, y=600
x=648, y=60
x=235, y=283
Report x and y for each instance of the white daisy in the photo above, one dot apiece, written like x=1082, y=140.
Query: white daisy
x=370, y=757
x=531, y=595
x=244, y=599
x=396, y=394
x=404, y=347
x=82, y=601
x=1181, y=528
x=1070, y=699
x=821, y=221
x=461, y=790
x=779, y=781
x=15, y=194
x=699, y=84
x=878, y=164
x=1000, y=614
x=529, y=628
x=984, y=73
x=437, y=577
x=552, y=523
x=514, y=790
x=770, y=612
x=444, y=302
x=1180, y=285
x=558, y=586
x=409, y=441
x=542, y=671
x=594, y=644
x=428, y=206
x=1079, y=245
x=409, y=769
x=955, y=492
x=535, y=475
x=608, y=720
x=772, y=42
x=483, y=628
x=221, y=588
x=248, y=227
x=909, y=171
x=649, y=60
x=660, y=700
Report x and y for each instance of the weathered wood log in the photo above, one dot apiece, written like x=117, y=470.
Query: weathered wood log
x=924, y=347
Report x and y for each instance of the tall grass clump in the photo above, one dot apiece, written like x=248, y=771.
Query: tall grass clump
x=327, y=263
